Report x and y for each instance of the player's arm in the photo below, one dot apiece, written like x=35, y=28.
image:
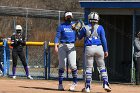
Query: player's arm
x=57, y=37
x=13, y=40
x=79, y=27
x=23, y=41
x=81, y=33
x=103, y=41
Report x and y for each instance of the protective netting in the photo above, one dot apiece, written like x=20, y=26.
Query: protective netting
x=35, y=61
x=38, y=25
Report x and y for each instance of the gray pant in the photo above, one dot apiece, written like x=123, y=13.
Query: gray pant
x=96, y=53
x=137, y=71
x=67, y=52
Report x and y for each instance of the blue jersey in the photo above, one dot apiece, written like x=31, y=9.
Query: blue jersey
x=65, y=33
x=100, y=40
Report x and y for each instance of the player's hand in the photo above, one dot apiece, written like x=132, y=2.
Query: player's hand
x=106, y=54
x=12, y=42
x=56, y=48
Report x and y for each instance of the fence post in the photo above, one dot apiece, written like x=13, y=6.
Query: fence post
x=4, y=58
x=49, y=61
x=132, y=62
x=26, y=38
x=7, y=57
x=59, y=17
x=26, y=54
x=45, y=60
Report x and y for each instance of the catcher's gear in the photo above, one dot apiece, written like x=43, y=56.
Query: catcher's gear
x=93, y=17
x=89, y=29
x=78, y=25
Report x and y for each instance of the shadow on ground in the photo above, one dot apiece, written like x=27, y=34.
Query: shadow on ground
x=53, y=89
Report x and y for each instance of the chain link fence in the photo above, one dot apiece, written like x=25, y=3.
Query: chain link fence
x=53, y=63
x=39, y=25
x=35, y=60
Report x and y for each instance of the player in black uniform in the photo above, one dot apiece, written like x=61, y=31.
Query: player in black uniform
x=18, y=42
x=1, y=57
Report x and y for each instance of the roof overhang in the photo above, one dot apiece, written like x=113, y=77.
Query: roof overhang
x=110, y=4
x=112, y=7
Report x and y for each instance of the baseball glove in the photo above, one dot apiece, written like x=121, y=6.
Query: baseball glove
x=78, y=25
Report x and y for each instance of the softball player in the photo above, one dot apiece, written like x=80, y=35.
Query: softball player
x=137, y=58
x=1, y=57
x=66, y=50
x=18, y=42
x=95, y=48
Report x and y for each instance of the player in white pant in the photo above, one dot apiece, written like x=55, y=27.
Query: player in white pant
x=66, y=51
x=95, y=49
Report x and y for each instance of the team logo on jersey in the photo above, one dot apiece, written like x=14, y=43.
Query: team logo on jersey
x=68, y=30
x=93, y=37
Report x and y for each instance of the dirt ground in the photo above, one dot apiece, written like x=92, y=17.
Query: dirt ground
x=8, y=85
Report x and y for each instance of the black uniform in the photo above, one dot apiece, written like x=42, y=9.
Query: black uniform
x=1, y=55
x=18, y=42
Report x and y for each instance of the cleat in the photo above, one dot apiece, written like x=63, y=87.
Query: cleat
x=106, y=87
x=29, y=77
x=1, y=73
x=86, y=90
x=60, y=87
x=14, y=77
x=72, y=87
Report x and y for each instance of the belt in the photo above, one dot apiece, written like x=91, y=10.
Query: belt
x=67, y=42
x=94, y=45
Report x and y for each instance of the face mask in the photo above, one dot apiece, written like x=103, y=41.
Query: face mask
x=68, y=20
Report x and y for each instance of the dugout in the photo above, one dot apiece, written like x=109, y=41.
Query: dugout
x=121, y=20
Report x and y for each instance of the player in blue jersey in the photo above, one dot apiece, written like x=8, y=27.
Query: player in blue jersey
x=95, y=49
x=65, y=46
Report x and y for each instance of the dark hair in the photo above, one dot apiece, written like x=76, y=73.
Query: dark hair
x=136, y=33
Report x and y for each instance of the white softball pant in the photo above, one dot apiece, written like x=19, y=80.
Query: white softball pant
x=67, y=52
x=96, y=53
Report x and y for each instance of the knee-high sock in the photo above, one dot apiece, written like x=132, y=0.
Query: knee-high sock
x=14, y=71
x=74, y=74
x=1, y=67
x=88, y=78
x=104, y=75
x=60, y=73
x=26, y=70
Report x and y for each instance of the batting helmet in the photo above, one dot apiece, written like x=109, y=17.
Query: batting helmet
x=93, y=17
x=18, y=29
